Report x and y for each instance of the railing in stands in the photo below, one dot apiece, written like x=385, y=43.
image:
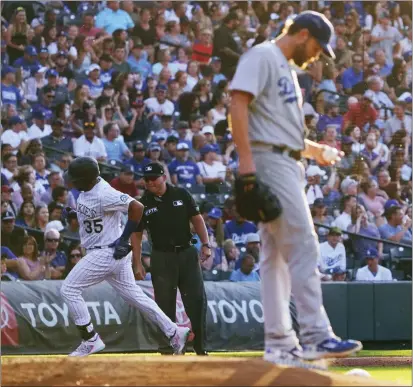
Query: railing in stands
x=352, y=234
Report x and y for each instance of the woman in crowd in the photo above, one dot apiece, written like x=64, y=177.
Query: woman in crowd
x=34, y=147
x=50, y=34
x=355, y=133
x=203, y=90
x=395, y=18
x=16, y=35
x=145, y=30
x=361, y=225
x=219, y=108
x=353, y=29
x=320, y=216
x=160, y=26
x=397, y=80
x=41, y=217
x=31, y=267
x=121, y=38
x=39, y=166
x=85, y=56
x=369, y=198
x=193, y=75
x=182, y=59
x=174, y=93
x=75, y=254
x=26, y=217
x=26, y=186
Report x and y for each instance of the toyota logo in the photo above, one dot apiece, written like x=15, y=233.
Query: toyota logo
x=4, y=317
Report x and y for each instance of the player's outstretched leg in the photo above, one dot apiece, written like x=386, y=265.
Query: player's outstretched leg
x=90, y=270
x=123, y=281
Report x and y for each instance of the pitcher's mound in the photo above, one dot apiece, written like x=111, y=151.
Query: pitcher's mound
x=164, y=371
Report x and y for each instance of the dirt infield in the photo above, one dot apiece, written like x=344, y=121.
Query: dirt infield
x=165, y=371
x=383, y=361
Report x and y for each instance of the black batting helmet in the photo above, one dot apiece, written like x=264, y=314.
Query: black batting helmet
x=82, y=171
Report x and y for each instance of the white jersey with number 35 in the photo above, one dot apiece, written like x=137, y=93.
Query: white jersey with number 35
x=99, y=212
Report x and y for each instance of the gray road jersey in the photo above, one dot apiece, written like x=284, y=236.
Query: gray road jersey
x=275, y=114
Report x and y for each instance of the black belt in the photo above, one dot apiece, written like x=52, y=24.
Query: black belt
x=97, y=247
x=295, y=154
x=172, y=249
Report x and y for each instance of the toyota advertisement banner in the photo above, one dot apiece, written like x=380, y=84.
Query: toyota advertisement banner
x=35, y=320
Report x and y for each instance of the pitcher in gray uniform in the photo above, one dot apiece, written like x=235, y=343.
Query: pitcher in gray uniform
x=268, y=129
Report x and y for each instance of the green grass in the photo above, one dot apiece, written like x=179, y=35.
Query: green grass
x=400, y=375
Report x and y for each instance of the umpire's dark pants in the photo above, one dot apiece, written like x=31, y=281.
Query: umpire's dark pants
x=171, y=271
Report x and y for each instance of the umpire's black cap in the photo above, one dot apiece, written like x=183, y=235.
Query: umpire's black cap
x=319, y=27
x=153, y=169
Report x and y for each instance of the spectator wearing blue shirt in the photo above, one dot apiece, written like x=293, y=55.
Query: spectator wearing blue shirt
x=27, y=62
x=138, y=62
x=216, y=68
x=183, y=170
x=238, y=229
x=106, y=70
x=246, y=272
x=167, y=129
x=252, y=247
x=353, y=75
x=138, y=161
x=93, y=81
x=331, y=117
x=10, y=94
x=397, y=228
x=112, y=18
x=116, y=149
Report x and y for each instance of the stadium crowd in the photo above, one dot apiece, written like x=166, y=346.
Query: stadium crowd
x=132, y=82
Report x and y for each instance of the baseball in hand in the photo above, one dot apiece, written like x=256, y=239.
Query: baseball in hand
x=331, y=155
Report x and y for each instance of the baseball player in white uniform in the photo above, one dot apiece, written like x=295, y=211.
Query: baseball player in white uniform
x=268, y=129
x=99, y=211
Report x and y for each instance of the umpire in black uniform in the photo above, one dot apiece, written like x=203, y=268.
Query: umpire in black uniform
x=175, y=263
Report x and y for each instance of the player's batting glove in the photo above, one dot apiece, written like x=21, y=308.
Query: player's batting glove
x=67, y=211
x=122, y=248
x=254, y=200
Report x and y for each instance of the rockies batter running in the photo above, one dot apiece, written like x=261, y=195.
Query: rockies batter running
x=99, y=210
x=268, y=129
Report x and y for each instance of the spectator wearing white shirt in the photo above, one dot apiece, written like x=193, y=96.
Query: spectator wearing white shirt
x=10, y=166
x=15, y=136
x=373, y=271
x=39, y=128
x=159, y=105
x=39, y=166
x=380, y=99
x=344, y=219
x=332, y=252
x=90, y=145
x=400, y=121
x=212, y=171
x=313, y=189
x=385, y=36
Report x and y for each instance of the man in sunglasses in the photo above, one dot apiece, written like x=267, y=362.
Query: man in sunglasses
x=58, y=259
x=167, y=216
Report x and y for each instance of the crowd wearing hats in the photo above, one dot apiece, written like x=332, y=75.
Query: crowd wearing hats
x=132, y=83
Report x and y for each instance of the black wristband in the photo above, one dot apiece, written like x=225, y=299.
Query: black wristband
x=206, y=245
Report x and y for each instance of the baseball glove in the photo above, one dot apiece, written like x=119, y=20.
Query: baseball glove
x=254, y=201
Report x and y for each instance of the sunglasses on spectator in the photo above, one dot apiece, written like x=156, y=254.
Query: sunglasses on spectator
x=140, y=150
x=75, y=255
x=89, y=124
x=52, y=240
x=50, y=96
x=150, y=178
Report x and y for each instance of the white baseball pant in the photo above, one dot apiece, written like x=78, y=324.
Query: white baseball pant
x=289, y=255
x=98, y=266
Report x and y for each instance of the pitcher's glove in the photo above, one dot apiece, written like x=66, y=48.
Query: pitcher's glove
x=254, y=201
x=122, y=248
